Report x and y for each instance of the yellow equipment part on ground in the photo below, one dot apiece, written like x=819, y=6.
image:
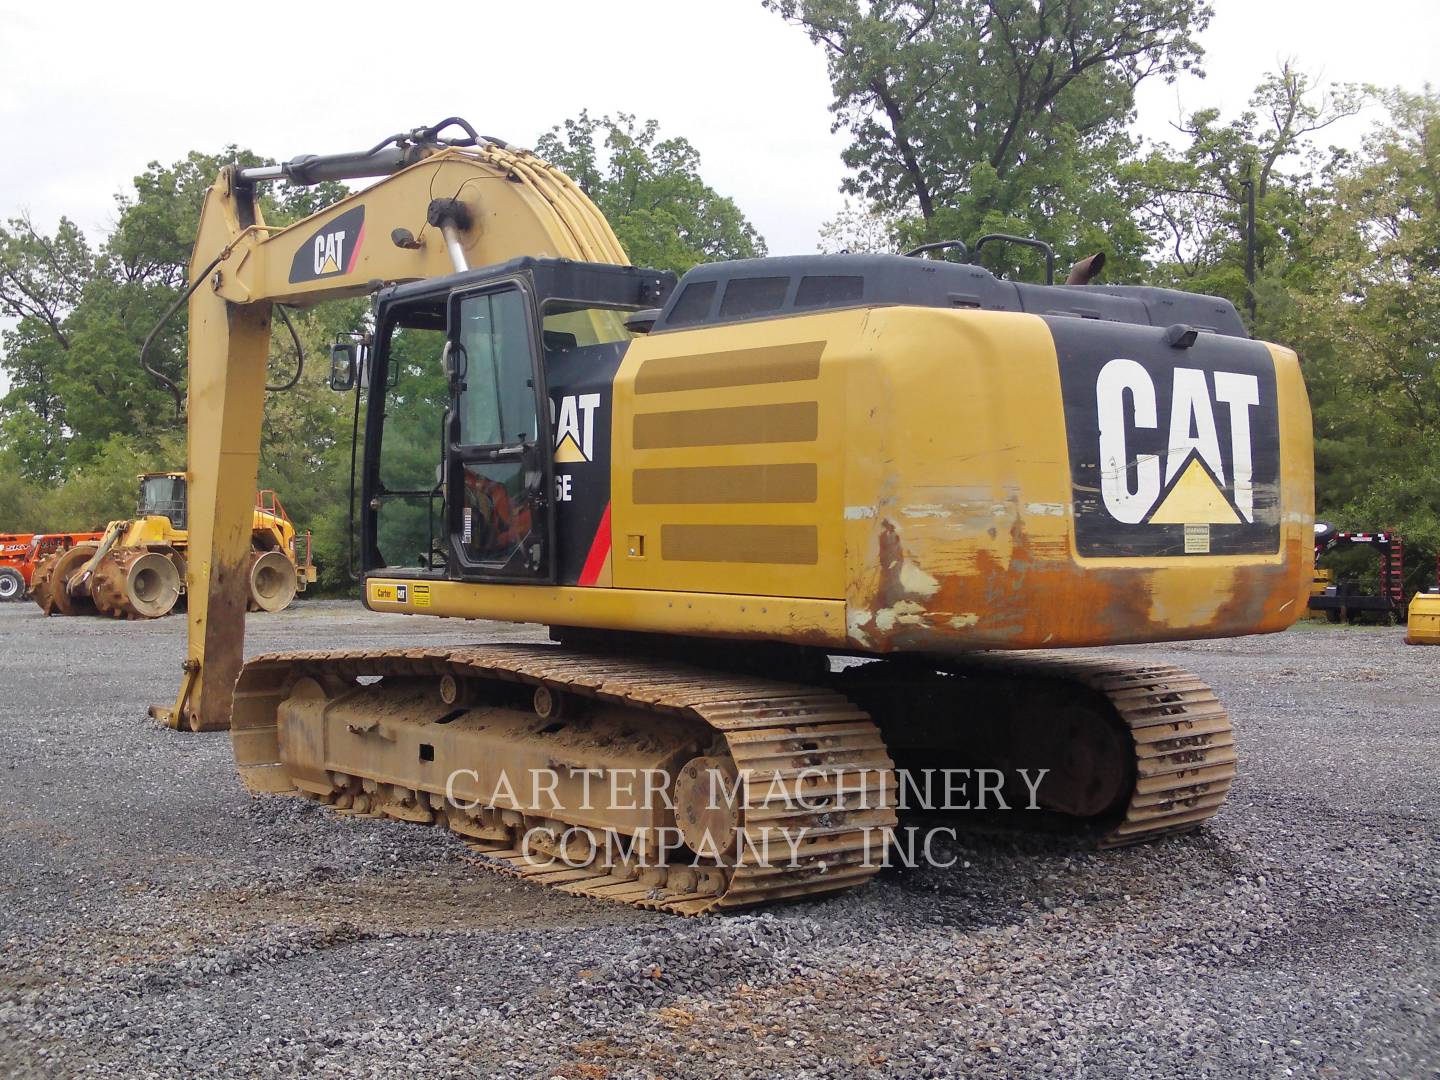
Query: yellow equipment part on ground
x=1321, y=581
x=1424, y=624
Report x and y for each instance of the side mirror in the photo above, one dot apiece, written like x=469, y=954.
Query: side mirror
x=343, y=364
x=642, y=321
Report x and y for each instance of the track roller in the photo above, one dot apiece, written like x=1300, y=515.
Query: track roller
x=661, y=785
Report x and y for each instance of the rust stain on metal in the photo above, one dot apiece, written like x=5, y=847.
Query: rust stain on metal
x=805, y=757
x=224, y=644
x=991, y=602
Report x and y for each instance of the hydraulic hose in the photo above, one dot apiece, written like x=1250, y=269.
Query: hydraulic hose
x=169, y=384
x=299, y=353
x=160, y=376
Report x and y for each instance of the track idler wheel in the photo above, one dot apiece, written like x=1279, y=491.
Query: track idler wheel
x=272, y=581
x=707, y=811
x=135, y=584
x=50, y=583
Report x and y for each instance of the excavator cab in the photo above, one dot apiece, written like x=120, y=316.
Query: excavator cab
x=481, y=419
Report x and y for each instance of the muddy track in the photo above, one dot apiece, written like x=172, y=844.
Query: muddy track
x=817, y=791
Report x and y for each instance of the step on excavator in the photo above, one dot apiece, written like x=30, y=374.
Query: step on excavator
x=790, y=522
x=136, y=568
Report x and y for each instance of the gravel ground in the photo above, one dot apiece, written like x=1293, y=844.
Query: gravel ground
x=158, y=922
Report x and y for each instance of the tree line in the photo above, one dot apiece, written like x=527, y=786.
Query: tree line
x=961, y=117
x=81, y=418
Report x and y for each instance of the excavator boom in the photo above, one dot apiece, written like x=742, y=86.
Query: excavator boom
x=443, y=208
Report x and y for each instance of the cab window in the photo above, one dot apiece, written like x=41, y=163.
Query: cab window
x=497, y=406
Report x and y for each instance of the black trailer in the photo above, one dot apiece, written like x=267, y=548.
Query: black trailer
x=1346, y=601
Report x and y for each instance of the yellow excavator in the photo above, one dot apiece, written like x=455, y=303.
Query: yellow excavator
x=791, y=522
x=136, y=569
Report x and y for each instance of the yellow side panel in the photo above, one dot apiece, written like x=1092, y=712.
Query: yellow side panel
x=729, y=451
x=154, y=529
x=899, y=479
x=960, y=510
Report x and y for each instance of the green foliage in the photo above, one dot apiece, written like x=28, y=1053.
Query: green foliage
x=73, y=355
x=1368, y=324
x=82, y=418
x=1193, y=202
x=861, y=230
x=42, y=281
x=105, y=487
x=650, y=191
x=22, y=505
x=976, y=116
x=99, y=491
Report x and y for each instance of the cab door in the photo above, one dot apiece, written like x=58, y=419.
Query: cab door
x=498, y=460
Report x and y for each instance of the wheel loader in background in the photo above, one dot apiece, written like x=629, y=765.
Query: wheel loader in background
x=789, y=520
x=135, y=569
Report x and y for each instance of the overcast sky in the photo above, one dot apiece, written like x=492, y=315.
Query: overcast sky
x=91, y=92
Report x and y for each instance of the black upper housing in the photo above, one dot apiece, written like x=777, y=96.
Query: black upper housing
x=744, y=289
x=601, y=284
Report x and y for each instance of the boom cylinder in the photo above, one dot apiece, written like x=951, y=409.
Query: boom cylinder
x=308, y=169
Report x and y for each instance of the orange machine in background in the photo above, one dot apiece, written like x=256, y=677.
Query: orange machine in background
x=20, y=553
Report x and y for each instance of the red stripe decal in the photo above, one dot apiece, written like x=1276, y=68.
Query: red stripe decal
x=599, y=550
x=355, y=250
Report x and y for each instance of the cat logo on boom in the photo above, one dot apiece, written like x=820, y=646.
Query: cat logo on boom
x=332, y=249
x=1173, y=452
